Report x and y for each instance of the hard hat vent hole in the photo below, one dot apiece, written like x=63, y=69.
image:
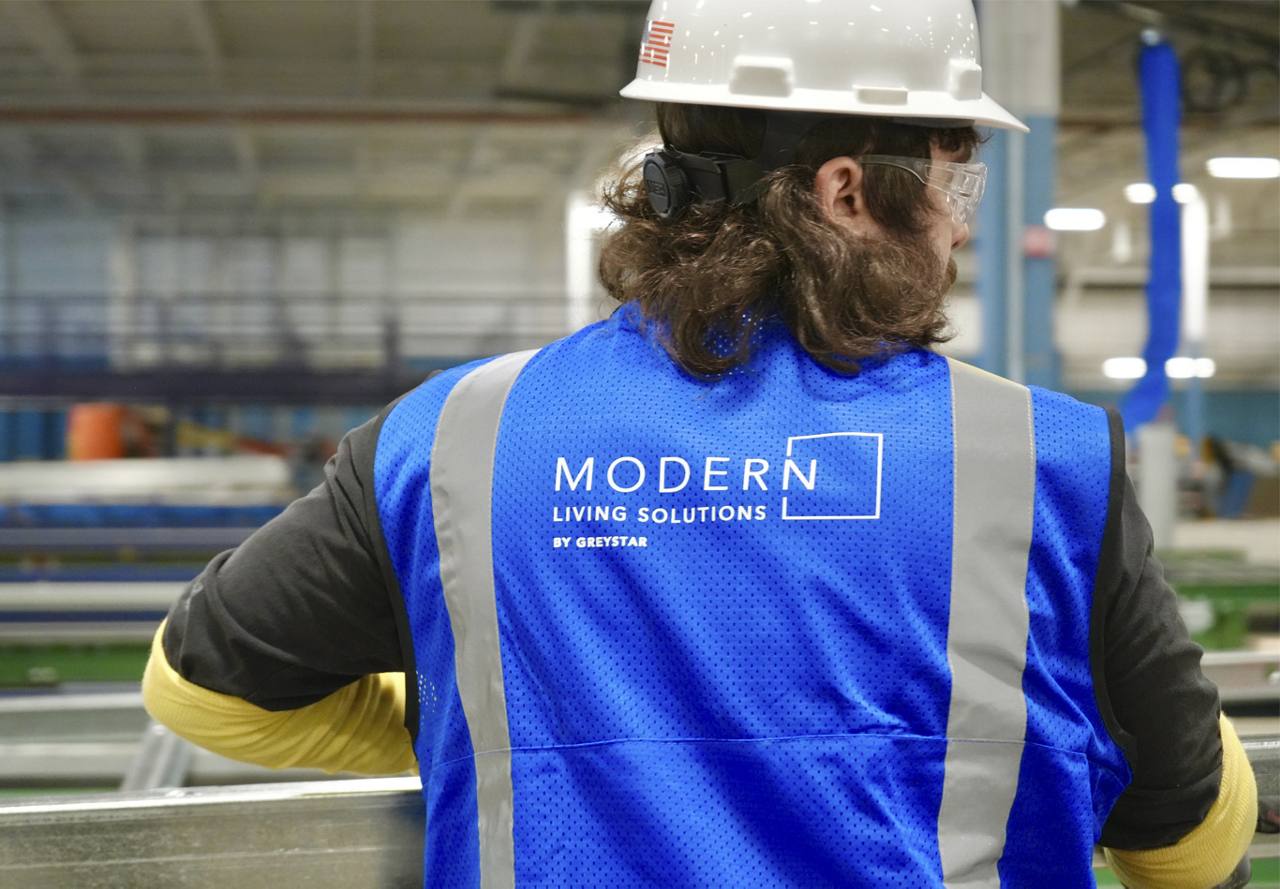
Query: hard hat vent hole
x=878, y=95
x=762, y=77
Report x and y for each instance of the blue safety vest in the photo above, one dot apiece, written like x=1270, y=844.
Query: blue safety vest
x=787, y=628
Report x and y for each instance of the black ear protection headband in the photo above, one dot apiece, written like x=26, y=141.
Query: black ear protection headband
x=675, y=179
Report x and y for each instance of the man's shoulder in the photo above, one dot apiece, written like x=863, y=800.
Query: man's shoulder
x=1060, y=403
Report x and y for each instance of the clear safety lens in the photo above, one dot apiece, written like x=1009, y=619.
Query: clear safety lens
x=962, y=184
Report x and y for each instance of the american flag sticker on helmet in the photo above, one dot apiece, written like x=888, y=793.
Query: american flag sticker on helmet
x=657, y=43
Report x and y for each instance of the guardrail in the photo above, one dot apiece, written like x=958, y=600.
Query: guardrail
x=319, y=329
x=278, y=347
x=358, y=834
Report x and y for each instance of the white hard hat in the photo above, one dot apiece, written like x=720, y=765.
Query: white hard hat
x=909, y=59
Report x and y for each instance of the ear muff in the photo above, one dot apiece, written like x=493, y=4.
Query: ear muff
x=667, y=185
x=675, y=179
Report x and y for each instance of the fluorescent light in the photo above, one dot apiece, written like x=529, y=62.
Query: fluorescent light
x=1195, y=270
x=1075, y=219
x=1244, y=167
x=1181, y=368
x=1124, y=368
x=1145, y=192
x=1140, y=193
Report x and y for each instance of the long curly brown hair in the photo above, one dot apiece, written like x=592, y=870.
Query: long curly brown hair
x=708, y=280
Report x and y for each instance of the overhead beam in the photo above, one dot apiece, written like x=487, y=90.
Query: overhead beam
x=324, y=82
x=366, y=46
x=206, y=36
x=286, y=114
x=36, y=22
x=516, y=62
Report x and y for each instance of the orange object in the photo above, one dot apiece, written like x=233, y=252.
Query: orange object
x=96, y=432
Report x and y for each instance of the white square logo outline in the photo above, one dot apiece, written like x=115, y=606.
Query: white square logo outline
x=879, y=436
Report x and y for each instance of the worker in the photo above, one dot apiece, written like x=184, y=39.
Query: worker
x=745, y=585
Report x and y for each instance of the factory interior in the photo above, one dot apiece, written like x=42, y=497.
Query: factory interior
x=233, y=230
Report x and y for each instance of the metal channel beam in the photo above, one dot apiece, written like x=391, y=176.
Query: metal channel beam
x=44, y=718
x=1244, y=677
x=349, y=834
x=362, y=834
x=42, y=540
x=95, y=632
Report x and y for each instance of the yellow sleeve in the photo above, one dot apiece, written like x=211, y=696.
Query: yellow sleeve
x=1208, y=855
x=359, y=728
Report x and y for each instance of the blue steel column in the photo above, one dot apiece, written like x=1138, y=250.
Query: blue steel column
x=991, y=243
x=1042, y=362
x=1021, y=51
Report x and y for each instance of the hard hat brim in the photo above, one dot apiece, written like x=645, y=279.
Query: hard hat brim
x=985, y=111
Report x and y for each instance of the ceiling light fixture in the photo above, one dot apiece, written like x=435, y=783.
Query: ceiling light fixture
x=1075, y=219
x=1244, y=167
x=1180, y=368
x=1124, y=368
x=1183, y=368
x=1145, y=192
x=1140, y=193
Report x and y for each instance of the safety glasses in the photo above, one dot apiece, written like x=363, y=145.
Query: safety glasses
x=961, y=183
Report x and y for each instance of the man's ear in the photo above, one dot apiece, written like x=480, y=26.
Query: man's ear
x=838, y=187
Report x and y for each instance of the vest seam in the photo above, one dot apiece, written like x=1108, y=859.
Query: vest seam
x=395, y=592
x=1108, y=565
x=811, y=737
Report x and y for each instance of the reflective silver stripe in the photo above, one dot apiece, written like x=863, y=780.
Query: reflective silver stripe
x=995, y=466
x=462, y=500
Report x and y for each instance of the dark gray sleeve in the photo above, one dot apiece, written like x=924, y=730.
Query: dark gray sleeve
x=1158, y=705
x=306, y=605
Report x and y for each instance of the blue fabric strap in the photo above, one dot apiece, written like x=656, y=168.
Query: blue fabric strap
x=1158, y=73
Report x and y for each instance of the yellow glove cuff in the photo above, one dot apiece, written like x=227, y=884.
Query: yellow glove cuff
x=359, y=728
x=1208, y=855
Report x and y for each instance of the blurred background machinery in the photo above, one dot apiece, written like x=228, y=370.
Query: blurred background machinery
x=230, y=230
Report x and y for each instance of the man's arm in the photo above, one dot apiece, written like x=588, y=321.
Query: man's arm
x=358, y=728
x=1187, y=818
x=289, y=651
x=1211, y=852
